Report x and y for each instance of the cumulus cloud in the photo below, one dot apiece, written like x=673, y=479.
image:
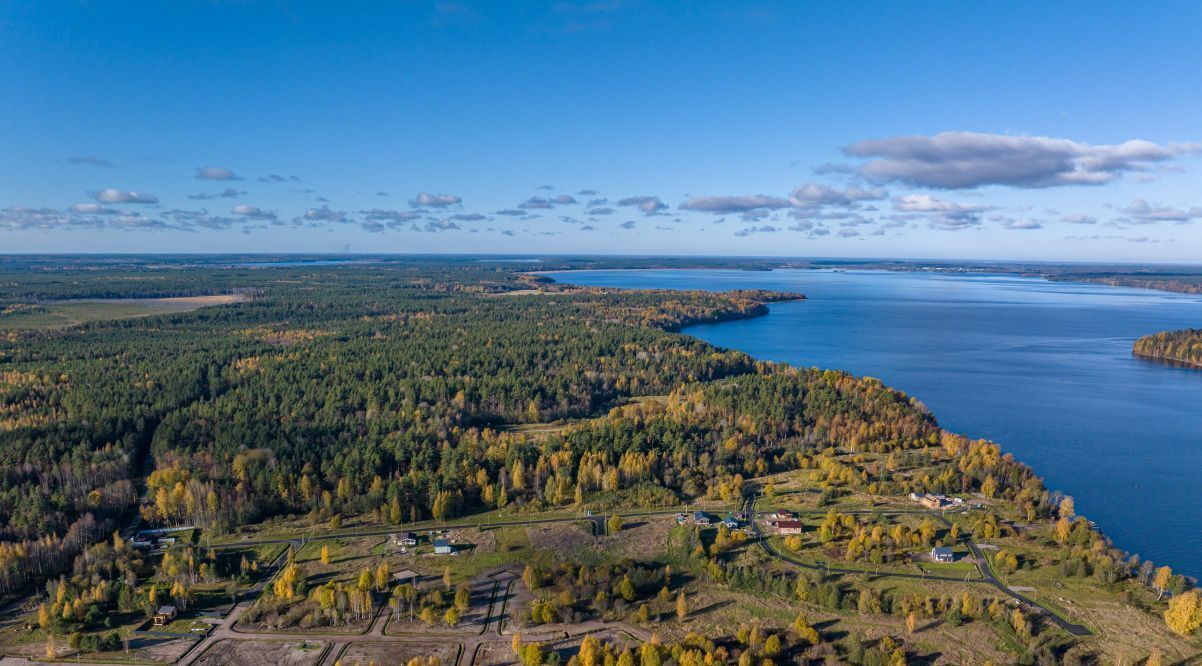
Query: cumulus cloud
x=17, y=218
x=388, y=216
x=1018, y=224
x=964, y=160
x=90, y=160
x=536, y=203
x=650, y=205
x=428, y=200
x=1143, y=212
x=435, y=226
x=816, y=195
x=92, y=209
x=940, y=214
x=216, y=173
x=325, y=214
x=227, y=193
x=1079, y=218
x=765, y=229
x=135, y=221
x=600, y=210
x=277, y=178
x=253, y=212
x=112, y=195
x=628, y=224
x=544, y=203
x=468, y=217
x=723, y=205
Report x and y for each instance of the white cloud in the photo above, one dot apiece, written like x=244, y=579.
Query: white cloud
x=428, y=200
x=962, y=160
x=389, y=216
x=817, y=195
x=940, y=214
x=216, y=173
x=325, y=214
x=650, y=205
x=112, y=195
x=92, y=209
x=252, y=212
x=1142, y=212
x=1079, y=218
x=722, y=205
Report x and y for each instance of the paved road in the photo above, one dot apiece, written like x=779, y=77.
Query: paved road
x=988, y=576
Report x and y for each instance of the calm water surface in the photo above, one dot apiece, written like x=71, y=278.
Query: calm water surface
x=1043, y=368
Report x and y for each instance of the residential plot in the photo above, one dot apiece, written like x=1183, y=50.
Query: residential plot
x=263, y=653
x=396, y=653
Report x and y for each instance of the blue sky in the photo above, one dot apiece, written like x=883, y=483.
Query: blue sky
x=1006, y=130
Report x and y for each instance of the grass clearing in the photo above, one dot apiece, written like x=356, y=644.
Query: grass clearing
x=62, y=314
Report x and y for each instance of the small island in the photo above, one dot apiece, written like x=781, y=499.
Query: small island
x=1182, y=347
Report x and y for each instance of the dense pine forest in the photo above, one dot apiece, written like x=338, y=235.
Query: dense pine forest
x=1183, y=346
x=402, y=391
x=380, y=389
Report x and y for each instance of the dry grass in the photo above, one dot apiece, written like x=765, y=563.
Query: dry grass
x=263, y=653
x=562, y=538
x=390, y=653
x=641, y=538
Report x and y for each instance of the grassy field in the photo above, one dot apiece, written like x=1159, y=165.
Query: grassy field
x=62, y=314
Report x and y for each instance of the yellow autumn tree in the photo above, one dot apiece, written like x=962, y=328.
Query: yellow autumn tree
x=1184, y=615
x=989, y=486
x=1164, y=576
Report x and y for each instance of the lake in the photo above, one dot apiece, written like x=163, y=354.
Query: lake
x=1043, y=368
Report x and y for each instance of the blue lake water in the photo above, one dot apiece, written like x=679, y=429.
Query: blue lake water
x=1043, y=368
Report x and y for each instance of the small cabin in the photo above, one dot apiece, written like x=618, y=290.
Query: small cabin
x=730, y=523
x=165, y=615
x=943, y=554
x=701, y=518
x=789, y=526
x=443, y=547
x=405, y=539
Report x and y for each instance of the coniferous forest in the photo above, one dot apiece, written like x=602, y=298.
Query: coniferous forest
x=421, y=391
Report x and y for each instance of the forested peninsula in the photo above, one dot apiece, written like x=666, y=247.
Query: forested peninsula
x=405, y=444
x=1183, y=347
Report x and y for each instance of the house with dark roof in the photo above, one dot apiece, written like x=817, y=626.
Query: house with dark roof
x=789, y=526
